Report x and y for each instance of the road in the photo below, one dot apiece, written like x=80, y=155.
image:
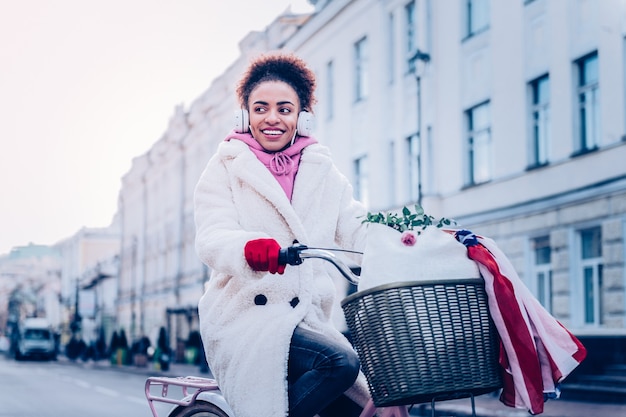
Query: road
x=53, y=389
x=62, y=389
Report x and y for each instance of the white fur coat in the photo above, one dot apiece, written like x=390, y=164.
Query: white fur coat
x=247, y=318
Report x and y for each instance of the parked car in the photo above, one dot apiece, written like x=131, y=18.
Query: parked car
x=5, y=344
x=36, y=340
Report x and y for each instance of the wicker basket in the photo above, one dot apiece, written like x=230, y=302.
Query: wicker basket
x=424, y=341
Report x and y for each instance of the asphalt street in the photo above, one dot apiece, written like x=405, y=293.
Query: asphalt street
x=487, y=405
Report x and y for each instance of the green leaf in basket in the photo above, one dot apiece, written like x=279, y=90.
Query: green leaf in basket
x=407, y=220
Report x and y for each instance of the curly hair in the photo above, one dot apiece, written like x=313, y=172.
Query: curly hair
x=285, y=67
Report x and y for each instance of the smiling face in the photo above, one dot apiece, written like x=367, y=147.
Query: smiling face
x=273, y=108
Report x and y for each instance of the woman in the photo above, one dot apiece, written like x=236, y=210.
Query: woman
x=267, y=330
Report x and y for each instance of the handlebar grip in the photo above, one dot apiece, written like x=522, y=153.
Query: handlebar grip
x=291, y=254
x=283, y=256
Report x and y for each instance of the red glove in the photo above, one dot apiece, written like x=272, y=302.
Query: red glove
x=262, y=255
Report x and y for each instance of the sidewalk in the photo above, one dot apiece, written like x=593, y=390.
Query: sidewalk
x=490, y=406
x=487, y=405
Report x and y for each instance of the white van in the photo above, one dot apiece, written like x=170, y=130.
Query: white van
x=36, y=340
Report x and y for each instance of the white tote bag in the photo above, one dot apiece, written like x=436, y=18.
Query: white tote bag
x=391, y=256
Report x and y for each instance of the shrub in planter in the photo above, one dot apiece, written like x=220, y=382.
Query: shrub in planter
x=113, y=346
x=162, y=355
x=140, y=351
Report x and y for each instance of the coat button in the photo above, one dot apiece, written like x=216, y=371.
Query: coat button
x=260, y=300
x=294, y=302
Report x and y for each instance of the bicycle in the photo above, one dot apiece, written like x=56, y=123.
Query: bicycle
x=398, y=331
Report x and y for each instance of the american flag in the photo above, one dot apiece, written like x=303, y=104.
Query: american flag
x=536, y=351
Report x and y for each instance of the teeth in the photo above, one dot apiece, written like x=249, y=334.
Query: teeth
x=272, y=132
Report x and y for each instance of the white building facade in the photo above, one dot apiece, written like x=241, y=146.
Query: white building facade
x=522, y=129
x=161, y=277
x=30, y=286
x=71, y=282
x=89, y=276
x=517, y=131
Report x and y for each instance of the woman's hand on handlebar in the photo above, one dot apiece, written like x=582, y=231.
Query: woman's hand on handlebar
x=262, y=255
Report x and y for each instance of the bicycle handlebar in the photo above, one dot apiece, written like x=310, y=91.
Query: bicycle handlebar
x=296, y=253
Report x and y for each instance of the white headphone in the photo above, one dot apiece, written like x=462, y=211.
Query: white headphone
x=305, y=126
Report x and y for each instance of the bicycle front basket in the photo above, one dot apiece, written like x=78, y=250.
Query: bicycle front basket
x=426, y=340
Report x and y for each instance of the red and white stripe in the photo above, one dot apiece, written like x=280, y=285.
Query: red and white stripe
x=536, y=351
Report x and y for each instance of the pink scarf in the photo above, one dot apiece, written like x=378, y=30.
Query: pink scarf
x=282, y=164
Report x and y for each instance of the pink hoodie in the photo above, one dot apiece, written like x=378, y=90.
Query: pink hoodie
x=282, y=164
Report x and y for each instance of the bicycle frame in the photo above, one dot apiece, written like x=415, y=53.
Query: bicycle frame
x=206, y=389
x=193, y=388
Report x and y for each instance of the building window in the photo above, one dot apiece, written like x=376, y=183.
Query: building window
x=361, y=175
x=540, y=121
x=624, y=78
x=478, y=121
x=591, y=270
x=413, y=167
x=588, y=104
x=477, y=16
x=542, y=270
x=411, y=31
x=392, y=173
x=361, y=70
x=390, y=48
x=330, y=90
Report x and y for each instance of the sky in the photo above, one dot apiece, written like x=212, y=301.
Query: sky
x=87, y=85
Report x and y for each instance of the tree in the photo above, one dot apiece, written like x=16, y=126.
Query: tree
x=123, y=340
x=163, y=352
x=115, y=343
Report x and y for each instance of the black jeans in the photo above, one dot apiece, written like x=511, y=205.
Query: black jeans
x=319, y=372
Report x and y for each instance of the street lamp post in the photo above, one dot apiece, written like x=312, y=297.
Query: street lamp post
x=75, y=325
x=414, y=60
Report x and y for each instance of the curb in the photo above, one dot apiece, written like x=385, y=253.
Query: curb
x=175, y=370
